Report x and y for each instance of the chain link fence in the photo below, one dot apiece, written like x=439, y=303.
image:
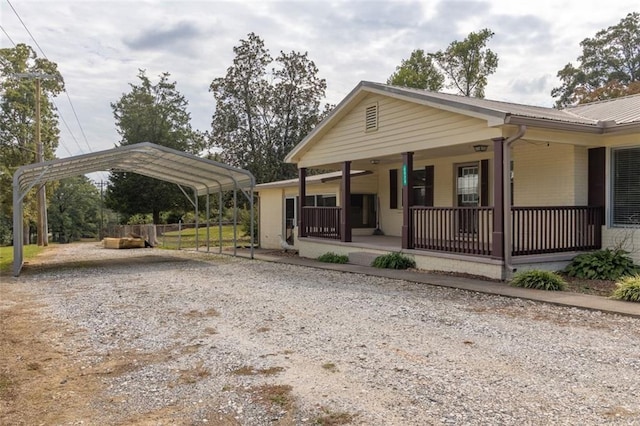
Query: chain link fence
x=182, y=235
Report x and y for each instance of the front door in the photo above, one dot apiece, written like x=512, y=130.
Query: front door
x=468, y=195
x=290, y=217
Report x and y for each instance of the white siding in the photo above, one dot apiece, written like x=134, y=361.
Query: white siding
x=271, y=217
x=403, y=126
x=549, y=174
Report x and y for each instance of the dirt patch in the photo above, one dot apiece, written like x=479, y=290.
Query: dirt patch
x=596, y=287
x=43, y=381
x=40, y=381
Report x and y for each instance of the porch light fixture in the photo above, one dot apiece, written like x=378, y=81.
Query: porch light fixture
x=480, y=148
x=375, y=161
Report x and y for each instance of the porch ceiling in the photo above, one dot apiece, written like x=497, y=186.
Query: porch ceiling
x=440, y=152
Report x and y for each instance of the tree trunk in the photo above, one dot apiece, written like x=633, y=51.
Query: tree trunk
x=26, y=234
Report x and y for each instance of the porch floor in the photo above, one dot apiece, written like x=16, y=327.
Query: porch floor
x=372, y=242
x=394, y=244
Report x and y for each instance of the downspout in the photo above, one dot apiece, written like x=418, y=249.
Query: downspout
x=506, y=205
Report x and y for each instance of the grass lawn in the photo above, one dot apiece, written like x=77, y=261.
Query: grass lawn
x=187, y=237
x=6, y=256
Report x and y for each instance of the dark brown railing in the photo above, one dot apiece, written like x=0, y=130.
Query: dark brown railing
x=322, y=222
x=452, y=229
x=468, y=230
x=556, y=229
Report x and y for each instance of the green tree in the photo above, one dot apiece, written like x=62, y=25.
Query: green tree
x=17, y=121
x=262, y=114
x=609, y=66
x=151, y=113
x=418, y=72
x=468, y=63
x=74, y=210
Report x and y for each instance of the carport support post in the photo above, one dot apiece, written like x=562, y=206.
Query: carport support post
x=235, y=219
x=407, y=199
x=17, y=227
x=302, y=195
x=195, y=196
x=251, y=217
x=220, y=221
x=208, y=219
x=497, y=247
x=345, y=201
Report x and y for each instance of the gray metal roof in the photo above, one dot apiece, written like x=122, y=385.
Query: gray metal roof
x=624, y=110
x=202, y=175
x=313, y=179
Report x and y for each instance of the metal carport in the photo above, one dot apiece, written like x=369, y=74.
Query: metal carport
x=185, y=170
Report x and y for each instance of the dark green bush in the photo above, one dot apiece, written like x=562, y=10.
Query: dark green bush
x=604, y=264
x=333, y=258
x=244, y=220
x=628, y=288
x=393, y=261
x=540, y=280
x=6, y=230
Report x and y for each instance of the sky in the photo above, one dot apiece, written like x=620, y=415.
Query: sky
x=99, y=46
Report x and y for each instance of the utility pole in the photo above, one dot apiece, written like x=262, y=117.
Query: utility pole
x=42, y=222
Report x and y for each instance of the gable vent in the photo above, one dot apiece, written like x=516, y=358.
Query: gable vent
x=371, y=118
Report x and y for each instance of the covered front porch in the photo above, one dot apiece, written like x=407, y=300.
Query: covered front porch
x=483, y=239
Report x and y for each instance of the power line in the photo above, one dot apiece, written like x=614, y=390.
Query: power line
x=78, y=120
x=65, y=90
x=7, y=34
x=65, y=148
x=27, y=29
x=68, y=129
x=73, y=109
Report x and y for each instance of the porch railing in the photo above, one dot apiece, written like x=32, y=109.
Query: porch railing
x=465, y=230
x=535, y=230
x=322, y=222
x=539, y=230
x=469, y=230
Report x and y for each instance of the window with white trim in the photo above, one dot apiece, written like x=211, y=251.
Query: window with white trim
x=625, y=186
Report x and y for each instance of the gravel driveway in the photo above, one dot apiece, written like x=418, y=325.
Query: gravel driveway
x=199, y=339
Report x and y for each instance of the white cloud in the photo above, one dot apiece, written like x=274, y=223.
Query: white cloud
x=100, y=45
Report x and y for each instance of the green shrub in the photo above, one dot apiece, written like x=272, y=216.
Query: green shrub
x=601, y=265
x=244, y=220
x=628, y=288
x=333, y=258
x=393, y=261
x=540, y=280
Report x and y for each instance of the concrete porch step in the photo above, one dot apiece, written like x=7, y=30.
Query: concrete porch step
x=362, y=258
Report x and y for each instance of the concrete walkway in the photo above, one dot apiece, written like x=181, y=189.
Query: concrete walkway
x=562, y=298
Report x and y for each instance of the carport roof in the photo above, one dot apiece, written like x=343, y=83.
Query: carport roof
x=148, y=159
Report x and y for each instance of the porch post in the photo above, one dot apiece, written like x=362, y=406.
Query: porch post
x=302, y=194
x=345, y=203
x=497, y=250
x=407, y=199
